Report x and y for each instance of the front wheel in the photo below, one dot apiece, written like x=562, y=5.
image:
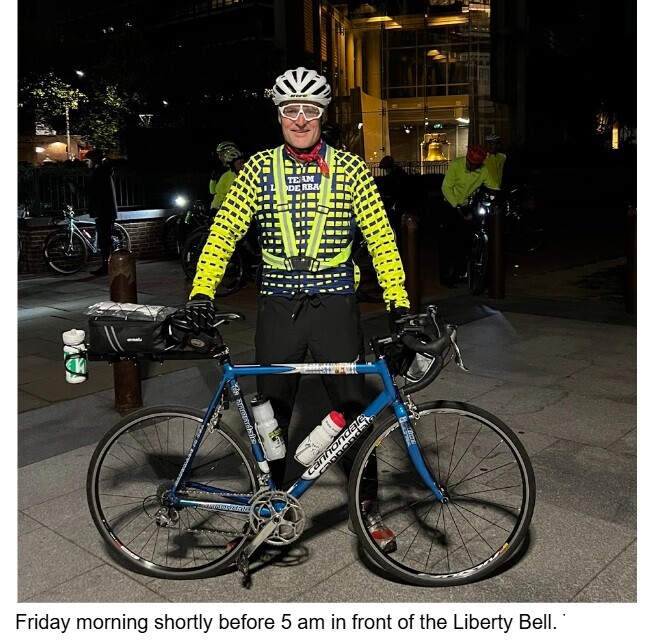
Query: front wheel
x=478, y=264
x=489, y=489
x=129, y=479
x=65, y=252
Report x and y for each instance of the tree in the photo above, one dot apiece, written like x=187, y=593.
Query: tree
x=49, y=96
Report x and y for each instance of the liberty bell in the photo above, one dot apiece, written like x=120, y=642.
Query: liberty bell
x=435, y=151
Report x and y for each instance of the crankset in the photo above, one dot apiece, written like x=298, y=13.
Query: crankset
x=276, y=518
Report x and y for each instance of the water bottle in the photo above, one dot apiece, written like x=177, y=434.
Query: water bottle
x=267, y=428
x=320, y=438
x=76, y=364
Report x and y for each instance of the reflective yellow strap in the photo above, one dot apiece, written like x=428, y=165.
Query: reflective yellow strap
x=324, y=206
x=282, y=206
x=284, y=216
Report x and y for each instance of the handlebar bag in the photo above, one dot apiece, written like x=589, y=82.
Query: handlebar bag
x=127, y=329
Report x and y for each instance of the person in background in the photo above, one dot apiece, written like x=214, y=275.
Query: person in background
x=307, y=199
x=495, y=159
x=233, y=160
x=102, y=204
x=393, y=189
x=464, y=175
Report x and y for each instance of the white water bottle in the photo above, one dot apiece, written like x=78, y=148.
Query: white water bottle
x=320, y=438
x=76, y=364
x=267, y=428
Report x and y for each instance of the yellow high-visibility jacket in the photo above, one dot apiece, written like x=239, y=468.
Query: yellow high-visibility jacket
x=459, y=183
x=222, y=187
x=495, y=163
x=353, y=202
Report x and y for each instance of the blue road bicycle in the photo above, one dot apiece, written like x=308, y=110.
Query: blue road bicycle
x=178, y=494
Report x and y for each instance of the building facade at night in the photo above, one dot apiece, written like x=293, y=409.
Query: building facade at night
x=418, y=79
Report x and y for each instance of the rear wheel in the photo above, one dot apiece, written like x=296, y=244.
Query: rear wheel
x=65, y=252
x=489, y=489
x=129, y=479
x=174, y=236
x=478, y=264
x=120, y=240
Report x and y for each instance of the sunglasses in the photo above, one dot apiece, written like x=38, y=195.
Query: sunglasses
x=293, y=111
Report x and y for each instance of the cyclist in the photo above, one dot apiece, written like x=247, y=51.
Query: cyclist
x=102, y=204
x=464, y=175
x=495, y=160
x=233, y=160
x=307, y=199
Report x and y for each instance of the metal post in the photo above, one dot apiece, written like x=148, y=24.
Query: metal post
x=409, y=226
x=496, y=258
x=127, y=373
x=630, y=285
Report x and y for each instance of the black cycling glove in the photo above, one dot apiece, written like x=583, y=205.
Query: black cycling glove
x=199, y=312
x=395, y=314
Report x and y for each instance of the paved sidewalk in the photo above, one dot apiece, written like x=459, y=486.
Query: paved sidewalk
x=561, y=371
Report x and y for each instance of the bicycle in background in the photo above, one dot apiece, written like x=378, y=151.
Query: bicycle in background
x=69, y=250
x=180, y=225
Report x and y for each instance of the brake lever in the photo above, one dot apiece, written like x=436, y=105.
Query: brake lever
x=457, y=351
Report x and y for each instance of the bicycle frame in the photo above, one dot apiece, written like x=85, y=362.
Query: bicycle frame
x=389, y=396
x=73, y=227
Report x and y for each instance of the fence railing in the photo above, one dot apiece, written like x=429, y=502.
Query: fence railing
x=413, y=167
x=45, y=191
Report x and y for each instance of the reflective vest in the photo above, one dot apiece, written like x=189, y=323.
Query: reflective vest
x=307, y=260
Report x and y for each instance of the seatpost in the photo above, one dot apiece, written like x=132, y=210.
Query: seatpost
x=126, y=373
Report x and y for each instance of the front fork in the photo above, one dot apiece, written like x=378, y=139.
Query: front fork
x=404, y=414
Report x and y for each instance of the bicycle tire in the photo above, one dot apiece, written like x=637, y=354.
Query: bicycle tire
x=172, y=237
x=233, y=277
x=120, y=239
x=134, y=465
x=478, y=264
x=368, y=288
x=62, y=255
x=490, y=502
x=191, y=251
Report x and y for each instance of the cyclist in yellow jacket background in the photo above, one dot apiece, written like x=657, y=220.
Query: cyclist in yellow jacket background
x=495, y=159
x=233, y=160
x=307, y=199
x=464, y=175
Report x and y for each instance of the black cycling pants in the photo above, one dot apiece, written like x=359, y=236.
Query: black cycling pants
x=328, y=328
x=455, y=236
x=104, y=236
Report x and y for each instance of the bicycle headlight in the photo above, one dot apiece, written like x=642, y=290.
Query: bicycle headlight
x=181, y=201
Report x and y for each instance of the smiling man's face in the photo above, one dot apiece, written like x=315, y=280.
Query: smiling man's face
x=300, y=133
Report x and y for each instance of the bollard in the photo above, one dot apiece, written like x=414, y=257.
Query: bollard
x=630, y=284
x=496, y=257
x=126, y=373
x=409, y=226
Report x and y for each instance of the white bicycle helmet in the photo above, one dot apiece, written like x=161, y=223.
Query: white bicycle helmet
x=228, y=152
x=302, y=84
x=492, y=138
